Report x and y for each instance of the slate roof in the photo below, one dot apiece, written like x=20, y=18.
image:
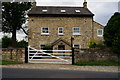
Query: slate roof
x=56, y=11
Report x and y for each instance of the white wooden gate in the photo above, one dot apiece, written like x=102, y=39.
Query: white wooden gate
x=49, y=56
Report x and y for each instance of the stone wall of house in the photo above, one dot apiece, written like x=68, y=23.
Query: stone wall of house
x=91, y=55
x=13, y=54
x=97, y=26
x=36, y=38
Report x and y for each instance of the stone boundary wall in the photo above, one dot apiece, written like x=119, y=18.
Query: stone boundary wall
x=93, y=55
x=80, y=55
x=13, y=54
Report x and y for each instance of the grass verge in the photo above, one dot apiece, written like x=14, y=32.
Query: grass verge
x=3, y=62
x=107, y=63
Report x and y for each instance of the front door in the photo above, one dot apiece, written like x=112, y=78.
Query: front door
x=61, y=47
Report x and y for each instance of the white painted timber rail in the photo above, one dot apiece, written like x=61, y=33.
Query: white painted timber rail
x=56, y=56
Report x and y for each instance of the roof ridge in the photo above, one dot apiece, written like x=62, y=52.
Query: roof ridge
x=62, y=6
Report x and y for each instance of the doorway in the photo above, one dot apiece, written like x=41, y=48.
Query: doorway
x=61, y=47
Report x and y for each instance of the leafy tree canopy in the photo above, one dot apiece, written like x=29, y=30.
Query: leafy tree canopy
x=13, y=17
x=112, y=33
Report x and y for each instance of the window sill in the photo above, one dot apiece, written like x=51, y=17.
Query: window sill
x=99, y=35
x=60, y=34
x=77, y=34
x=44, y=33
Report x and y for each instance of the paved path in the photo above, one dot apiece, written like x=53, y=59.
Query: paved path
x=64, y=67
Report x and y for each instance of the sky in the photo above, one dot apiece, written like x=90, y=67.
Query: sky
x=102, y=9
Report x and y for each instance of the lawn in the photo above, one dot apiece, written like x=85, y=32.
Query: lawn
x=107, y=63
x=3, y=62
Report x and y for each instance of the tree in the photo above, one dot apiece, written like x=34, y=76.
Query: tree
x=6, y=42
x=13, y=17
x=22, y=44
x=112, y=33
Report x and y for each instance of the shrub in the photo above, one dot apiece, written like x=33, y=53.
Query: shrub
x=22, y=44
x=47, y=47
x=100, y=45
x=92, y=44
x=6, y=42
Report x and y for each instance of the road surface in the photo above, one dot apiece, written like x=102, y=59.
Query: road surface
x=46, y=73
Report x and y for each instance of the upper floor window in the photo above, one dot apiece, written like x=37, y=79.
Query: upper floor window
x=100, y=32
x=60, y=31
x=77, y=46
x=76, y=31
x=44, y=30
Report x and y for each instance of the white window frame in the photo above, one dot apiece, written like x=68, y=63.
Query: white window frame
x=98, y=33
x=42, y=31
x=76, y=33
x=77, y=44
x=63, y=10
x=62, y=31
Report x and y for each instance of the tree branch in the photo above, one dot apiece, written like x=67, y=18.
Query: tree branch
x=24, y=31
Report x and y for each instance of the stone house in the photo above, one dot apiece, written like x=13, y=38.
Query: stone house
x=55, y=25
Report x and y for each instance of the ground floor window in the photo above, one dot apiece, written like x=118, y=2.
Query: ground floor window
x=77, y=46
x=42, y=46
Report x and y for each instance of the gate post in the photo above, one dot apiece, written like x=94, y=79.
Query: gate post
x=72, y=50
x=73, y=56
x=26, y=54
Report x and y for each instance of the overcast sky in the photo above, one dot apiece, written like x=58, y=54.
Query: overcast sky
x=103, y=9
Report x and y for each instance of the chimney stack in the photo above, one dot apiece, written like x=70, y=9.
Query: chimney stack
x=34, y=3
x=85, y=4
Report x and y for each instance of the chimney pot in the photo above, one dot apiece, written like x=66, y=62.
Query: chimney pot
x=85, y=4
